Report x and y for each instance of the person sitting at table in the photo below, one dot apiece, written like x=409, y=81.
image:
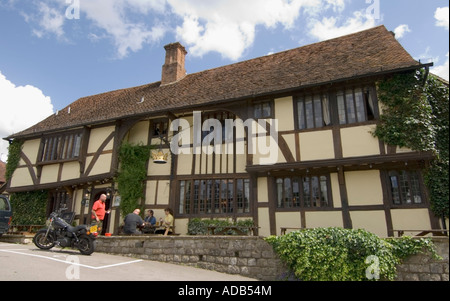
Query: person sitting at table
x=150, y=219
x=167, y=223
x=150, y=222
x=132, y=221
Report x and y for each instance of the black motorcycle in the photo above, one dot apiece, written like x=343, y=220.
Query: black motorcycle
x=60, y=233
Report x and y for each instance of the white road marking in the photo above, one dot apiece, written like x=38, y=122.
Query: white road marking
x=72, y=263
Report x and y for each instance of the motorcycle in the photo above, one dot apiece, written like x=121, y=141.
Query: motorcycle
x=59, y=232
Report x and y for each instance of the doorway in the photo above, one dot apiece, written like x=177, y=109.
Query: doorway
x=97, y=193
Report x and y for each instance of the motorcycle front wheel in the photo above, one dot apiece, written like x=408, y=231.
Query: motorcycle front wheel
x=43, y=242
x=85, y=245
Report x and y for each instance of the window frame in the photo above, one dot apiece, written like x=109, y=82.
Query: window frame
x=301, y=193
x=402, y=202
x=301, y=99
x=61, y=147
x=204, y=197
x=259, y=106
x=369, y=104
x=159, y=121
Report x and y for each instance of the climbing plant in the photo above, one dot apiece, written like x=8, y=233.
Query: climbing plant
x=29, y=208
x=415, y=115
x=14, y=150
x=337, y=254
x=132, y=174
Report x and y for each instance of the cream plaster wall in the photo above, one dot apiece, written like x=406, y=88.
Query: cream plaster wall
x=71, y=170
x=410, y=219
x=372, y=221
x=316, y=219
x=21, y=177
x=30, y=149
x=317, y=145
x=358, y=141
x=364, y=187
x=98, y=136
x=284, y=113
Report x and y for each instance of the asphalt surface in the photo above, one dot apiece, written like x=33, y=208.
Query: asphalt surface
x=25, y=262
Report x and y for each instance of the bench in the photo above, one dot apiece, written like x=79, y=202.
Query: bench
x=435, y=232
x=239, y=230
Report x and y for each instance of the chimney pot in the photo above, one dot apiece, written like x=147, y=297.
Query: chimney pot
x=173, y=69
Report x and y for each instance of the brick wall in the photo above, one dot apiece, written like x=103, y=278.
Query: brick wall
x=248, y=255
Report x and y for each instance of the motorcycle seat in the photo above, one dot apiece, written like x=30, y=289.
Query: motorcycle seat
x=76, y=229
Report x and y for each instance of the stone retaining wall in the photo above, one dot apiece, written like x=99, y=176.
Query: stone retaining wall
x=249, y=256
x=422, y=267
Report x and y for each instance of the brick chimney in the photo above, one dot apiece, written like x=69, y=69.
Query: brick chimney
x=173, y=69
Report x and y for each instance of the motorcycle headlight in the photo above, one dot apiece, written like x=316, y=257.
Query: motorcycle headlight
x=48, y=222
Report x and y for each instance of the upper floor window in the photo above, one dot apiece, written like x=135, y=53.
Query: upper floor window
x=405, y=187
x=355, y=105
x=65, y=146
x=159, y=127
x=313, y=111
x=307, y=191
x=340, y=107
x=263, y=109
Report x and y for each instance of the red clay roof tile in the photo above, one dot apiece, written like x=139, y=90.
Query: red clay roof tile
x=358, y=54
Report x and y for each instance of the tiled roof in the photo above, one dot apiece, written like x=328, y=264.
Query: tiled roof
x=363, y=53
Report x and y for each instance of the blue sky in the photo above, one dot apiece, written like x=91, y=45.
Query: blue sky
x=53, y=52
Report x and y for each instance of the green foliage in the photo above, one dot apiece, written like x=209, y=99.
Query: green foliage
x=406, y=110
x=132, y=174
x=14, y=151
x=29, y=208
x=416, y=116
x=198, y=226
x=336, y=254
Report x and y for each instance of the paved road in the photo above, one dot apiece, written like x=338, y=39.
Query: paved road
x=26, y=262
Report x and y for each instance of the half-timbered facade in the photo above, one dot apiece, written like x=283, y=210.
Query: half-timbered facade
x=328, y=169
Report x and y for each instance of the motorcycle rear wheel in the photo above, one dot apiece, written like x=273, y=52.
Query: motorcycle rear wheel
x=43, y=242
x=86, y=245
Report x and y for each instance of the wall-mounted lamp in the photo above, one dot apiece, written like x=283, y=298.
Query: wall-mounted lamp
x=86, y=198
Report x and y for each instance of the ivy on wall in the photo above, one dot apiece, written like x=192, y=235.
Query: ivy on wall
x=14, y=151
x=415, y=115
x=29, y=208
x=337, y=254
x=132, y=174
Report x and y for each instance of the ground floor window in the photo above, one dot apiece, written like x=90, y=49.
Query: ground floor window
x=307, y=191
x=214, y=196
x=405, y=187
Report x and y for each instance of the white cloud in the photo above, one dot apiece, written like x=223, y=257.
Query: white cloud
x=111, y=16
x=401, y=30
x=442, y=70
x=442, y=15
x=48, y=20
x=229, y=26
x=231, y=31
x=22, y=107
x=332, y=27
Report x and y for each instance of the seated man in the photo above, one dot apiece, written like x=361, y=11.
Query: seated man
x=132, y=221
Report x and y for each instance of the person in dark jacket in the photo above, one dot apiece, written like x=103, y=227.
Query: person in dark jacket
x=132, y=221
